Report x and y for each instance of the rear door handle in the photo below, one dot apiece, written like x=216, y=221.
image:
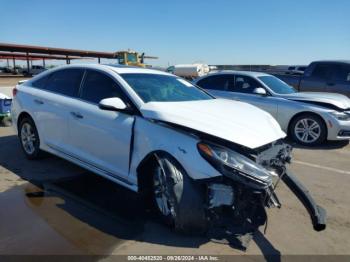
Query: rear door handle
x=39, y=102
x=76, y=115
x=330, y=84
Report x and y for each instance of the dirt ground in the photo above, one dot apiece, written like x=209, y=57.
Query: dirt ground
x=53, y=207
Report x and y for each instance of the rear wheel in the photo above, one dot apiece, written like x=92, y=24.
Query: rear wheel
x=308, y=129
x=178, y=200
x=29, y=138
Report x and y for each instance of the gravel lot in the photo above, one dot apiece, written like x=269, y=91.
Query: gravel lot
x=54, y=207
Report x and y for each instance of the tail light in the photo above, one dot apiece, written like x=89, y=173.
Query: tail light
x=14, y=92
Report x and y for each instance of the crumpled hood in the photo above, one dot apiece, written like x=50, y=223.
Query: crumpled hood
x=234, y=121
x=337, y=100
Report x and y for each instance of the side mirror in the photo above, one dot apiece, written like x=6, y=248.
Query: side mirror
x=260, y=91
x=113, y=104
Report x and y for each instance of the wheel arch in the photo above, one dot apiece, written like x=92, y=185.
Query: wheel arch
x=146, y=165
x=306, y=113
x=22, y=115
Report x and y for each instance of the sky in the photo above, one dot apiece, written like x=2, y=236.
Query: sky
x=212, y=32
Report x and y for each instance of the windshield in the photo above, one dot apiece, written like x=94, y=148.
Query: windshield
x=164, y=88
x=277, y=85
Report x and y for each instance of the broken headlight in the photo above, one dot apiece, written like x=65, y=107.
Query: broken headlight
x=235, y=165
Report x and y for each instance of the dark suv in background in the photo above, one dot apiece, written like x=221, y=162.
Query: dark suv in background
x=322, y=76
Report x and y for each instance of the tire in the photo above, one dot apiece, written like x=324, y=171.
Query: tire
x=27, y=132
x=184, y=206
x=308, y=130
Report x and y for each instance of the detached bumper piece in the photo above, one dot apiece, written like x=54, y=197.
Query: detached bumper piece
x=317, y=213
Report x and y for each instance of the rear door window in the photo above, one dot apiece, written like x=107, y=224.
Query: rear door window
x=342, y=73
x=322, y=71
x=98, y=86
x=65, y=82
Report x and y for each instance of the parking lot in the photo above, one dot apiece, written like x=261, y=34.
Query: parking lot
x=61, y=209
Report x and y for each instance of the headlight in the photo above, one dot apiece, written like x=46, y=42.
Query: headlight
x=341, y=116
x=234, y=165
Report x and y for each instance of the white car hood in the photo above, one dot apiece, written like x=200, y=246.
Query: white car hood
x=338, y=100
x=234, y=121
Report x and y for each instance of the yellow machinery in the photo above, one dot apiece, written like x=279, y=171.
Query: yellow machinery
x=132, y=58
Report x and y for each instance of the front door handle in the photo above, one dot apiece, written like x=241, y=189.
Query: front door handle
x=38, y=101
x=330, y=84
x=76, y=115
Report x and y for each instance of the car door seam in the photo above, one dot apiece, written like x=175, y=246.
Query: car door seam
x=131, y=148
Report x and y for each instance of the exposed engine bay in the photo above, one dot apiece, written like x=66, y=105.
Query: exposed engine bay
x=236, y=201
x=241, y=200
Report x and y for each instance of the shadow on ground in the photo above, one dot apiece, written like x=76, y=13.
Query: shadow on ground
x=110, y=211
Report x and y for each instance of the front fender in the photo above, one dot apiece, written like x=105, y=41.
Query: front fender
x=150, y=136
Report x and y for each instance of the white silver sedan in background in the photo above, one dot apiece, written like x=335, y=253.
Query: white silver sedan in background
x=309, y=118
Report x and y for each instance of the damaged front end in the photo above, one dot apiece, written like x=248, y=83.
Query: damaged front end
x=249, y=181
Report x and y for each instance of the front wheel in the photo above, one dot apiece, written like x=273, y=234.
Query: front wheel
x=178, y=200
x=308, y=129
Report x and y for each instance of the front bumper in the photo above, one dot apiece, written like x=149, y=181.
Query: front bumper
x=224, y=193
x=316, y=212
x=338, y=130
x=243, y=194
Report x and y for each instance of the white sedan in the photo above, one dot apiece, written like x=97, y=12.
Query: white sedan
x=309, y=118
x=158, y=134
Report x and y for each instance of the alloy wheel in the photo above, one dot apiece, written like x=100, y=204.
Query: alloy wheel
x=161, y=193
x=28, y=138
x=307, y=130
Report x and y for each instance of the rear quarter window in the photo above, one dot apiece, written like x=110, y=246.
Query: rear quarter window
x=41, y=81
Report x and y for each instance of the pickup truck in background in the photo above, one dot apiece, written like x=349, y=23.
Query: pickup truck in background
x=322, y=76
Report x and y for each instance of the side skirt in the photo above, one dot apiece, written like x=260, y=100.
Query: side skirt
x=89, y=166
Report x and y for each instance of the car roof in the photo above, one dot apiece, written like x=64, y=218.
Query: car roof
x=246, y=73
x=119, y=69
x=333, y=61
